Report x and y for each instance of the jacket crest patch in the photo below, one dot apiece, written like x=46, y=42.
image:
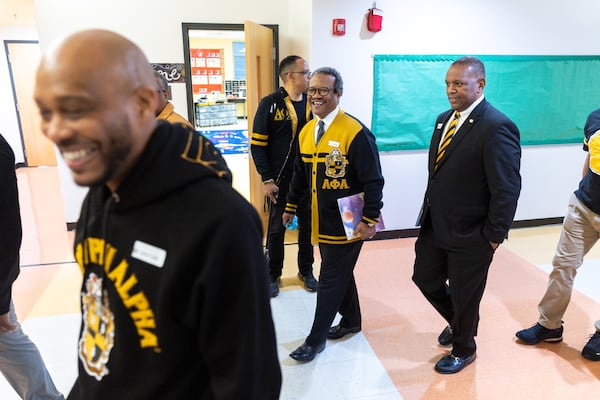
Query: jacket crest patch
x=335, y=164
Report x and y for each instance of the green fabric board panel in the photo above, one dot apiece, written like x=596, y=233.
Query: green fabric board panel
x=548, y=97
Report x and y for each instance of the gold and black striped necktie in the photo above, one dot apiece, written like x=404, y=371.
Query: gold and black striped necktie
x=447, y=139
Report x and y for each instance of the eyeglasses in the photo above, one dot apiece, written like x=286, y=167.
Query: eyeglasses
x=323, y=91
x=305, y=72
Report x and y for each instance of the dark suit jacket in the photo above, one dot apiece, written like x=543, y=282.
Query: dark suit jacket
x=472, y=197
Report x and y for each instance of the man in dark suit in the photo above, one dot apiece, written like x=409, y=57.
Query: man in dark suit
x=469, y=205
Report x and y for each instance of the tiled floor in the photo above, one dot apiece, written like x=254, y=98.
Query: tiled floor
x=393, y=356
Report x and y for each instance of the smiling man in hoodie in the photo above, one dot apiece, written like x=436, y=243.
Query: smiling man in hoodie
x=161, y=238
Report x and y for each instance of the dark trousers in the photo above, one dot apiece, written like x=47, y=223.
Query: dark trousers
x=276, y=238
x=453, y=281
x=336, y=291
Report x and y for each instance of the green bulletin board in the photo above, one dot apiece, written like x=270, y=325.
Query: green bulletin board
x=548, y=97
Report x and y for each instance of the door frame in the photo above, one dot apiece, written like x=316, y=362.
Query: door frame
x=187, y=26
x=14, y=91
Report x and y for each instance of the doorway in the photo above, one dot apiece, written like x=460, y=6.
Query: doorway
x=23, y=57
x=229, y=68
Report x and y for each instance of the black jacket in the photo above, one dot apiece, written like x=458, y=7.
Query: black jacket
x=10, y=221
x=472, y=197
x=274, y=131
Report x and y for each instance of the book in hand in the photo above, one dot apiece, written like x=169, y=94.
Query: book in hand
x=351, y=213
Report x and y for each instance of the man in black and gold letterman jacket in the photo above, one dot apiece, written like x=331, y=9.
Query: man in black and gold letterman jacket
x=279, y=118
x=337, y=158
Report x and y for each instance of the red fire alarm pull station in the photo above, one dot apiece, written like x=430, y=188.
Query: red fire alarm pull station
x=339, y=27
x=374, y=19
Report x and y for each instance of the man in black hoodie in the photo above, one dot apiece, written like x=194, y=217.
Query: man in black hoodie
x=175, y=299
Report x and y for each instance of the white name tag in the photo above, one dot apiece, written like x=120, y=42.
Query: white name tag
x=150, y=254
x=333, y=143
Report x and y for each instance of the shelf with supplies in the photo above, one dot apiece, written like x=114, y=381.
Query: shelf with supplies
x=215, y=114
x=235, y=87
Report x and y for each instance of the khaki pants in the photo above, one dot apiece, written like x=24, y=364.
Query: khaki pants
x=581, y=230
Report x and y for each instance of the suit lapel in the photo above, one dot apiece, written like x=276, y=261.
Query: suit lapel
x=437, y=137
x=461, y=133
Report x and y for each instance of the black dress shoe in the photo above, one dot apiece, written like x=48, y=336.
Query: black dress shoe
x=338, y=331
x=310, y=283
x=274, y=287
x=306, y=352
x=445, y=337
x=451, y=364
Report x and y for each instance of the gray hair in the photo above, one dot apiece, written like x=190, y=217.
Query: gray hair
x=162, y=81
x=338, y=86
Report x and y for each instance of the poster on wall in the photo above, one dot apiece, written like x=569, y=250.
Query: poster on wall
x=173, y=73
x=207, y=71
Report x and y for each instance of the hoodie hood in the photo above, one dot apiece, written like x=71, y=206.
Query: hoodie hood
x=174, y=156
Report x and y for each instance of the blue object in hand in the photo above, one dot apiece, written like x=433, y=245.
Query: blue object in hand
x=292, y=225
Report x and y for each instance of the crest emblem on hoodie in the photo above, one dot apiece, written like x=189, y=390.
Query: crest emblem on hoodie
x=97, y=335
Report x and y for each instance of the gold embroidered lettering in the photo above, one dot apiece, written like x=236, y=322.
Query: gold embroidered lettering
x=95, y=250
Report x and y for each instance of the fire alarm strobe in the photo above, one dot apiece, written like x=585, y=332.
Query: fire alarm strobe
x=339, y=27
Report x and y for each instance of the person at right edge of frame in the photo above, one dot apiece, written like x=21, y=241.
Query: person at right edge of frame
x=338, y=157
x=580, y=232
x=470, y=201
x=279, y=118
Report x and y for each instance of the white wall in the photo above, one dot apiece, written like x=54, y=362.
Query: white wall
x=156, y=27
x=9, y=122
x=550, y=173
x=462, y=27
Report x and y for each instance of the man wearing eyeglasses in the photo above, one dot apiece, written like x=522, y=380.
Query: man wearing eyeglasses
x=337, y=158
x=278, y=119
x=165, y=109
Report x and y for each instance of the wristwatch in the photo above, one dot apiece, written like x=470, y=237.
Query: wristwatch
x=268, y=181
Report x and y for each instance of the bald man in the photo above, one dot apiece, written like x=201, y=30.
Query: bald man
x=175, y=299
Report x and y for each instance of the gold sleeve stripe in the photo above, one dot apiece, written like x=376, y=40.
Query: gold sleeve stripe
x=258, y=143
x=259, y=136
x=370, y=220
x=331, y=237
x=336, y=239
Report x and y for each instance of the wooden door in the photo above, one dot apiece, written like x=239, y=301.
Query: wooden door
x=259, y=83
x=24, y=58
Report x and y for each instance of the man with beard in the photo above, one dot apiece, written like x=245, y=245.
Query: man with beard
x=161, y=237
